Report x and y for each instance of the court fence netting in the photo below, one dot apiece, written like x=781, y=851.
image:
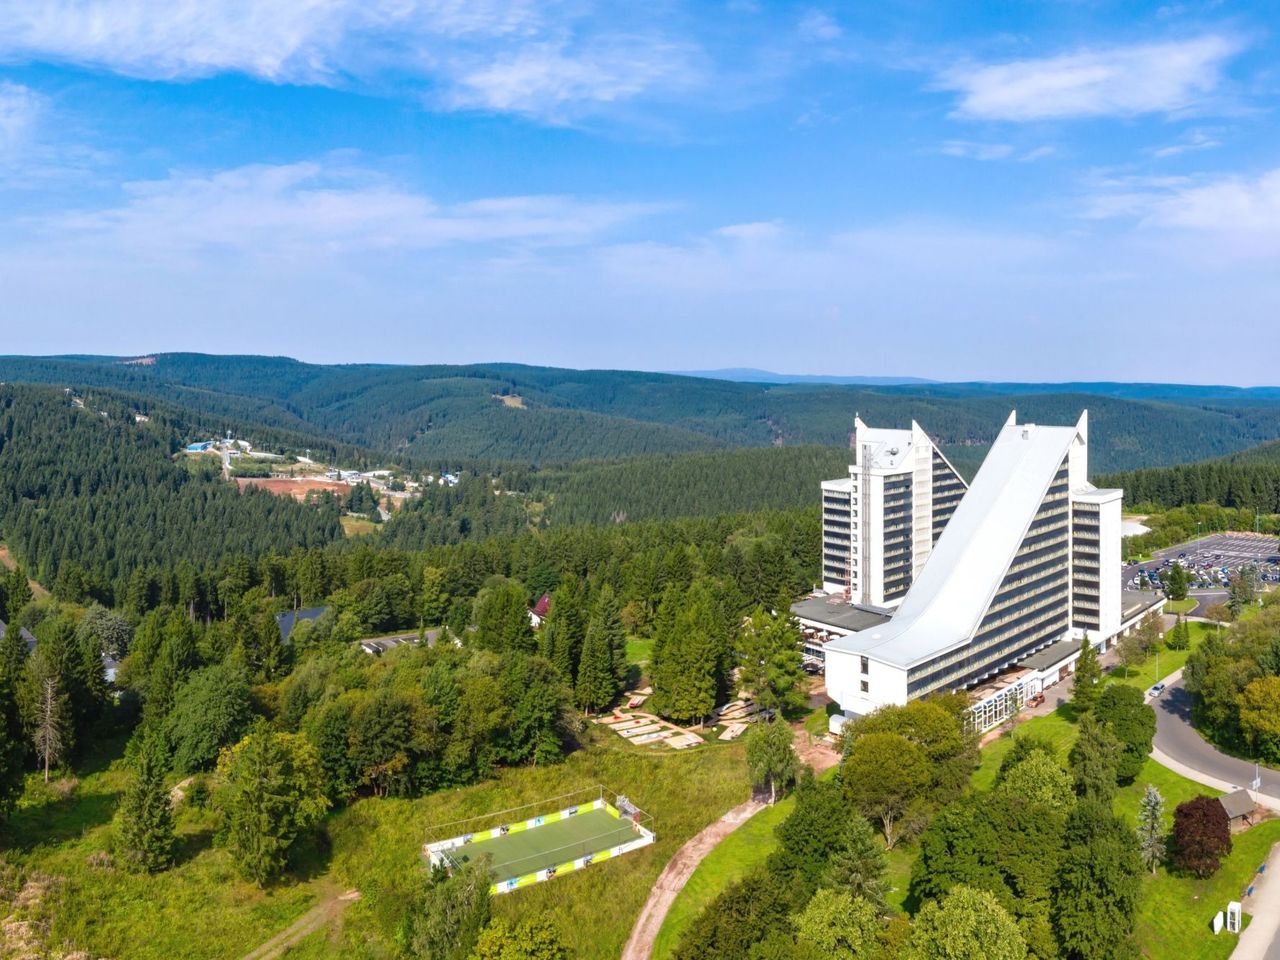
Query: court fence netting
x=543, y=839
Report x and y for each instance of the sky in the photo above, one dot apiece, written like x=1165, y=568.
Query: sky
x=1055, y=190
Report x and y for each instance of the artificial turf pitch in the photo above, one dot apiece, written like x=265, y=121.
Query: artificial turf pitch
x=528, y=851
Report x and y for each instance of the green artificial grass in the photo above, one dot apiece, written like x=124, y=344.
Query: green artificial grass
x=527, y=851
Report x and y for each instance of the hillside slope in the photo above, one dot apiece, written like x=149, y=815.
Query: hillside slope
x=540, y=415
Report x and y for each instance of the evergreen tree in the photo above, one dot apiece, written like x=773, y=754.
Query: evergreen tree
x=596, y=687
x=1088, y=676
x=1132, y=722
x=1094, y=760
x=17, y=592
x=272, y=792
x=1099, y=881
x=146, y=817
x=772, y=662
x=1152, y=843
x=858, y=864
x=689, y=664
x=49, y=724
x=565, y=629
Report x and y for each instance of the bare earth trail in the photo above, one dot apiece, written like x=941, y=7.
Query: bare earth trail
x=680, y=867
x=322, y=914
x=675, y=875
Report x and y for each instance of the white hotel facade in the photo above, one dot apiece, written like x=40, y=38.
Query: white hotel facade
x=941, y=587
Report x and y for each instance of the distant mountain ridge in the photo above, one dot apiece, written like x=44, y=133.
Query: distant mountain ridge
x=752, y=375
x=515, y=413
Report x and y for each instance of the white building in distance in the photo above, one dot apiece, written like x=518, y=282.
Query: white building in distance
x=879, y=524
x=1026, y=564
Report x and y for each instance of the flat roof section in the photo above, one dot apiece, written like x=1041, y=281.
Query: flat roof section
x=1052, y=655
x=838, y=613
x=1133, y=602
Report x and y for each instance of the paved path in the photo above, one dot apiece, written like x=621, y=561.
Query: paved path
x=1258, y=941
x=675, y=875
x=324, y=912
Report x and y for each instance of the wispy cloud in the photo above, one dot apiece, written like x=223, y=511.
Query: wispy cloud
x=1111, y=81
x=316, y=209
x=971, y=150
x=536, y=58
x=818, y=27
x=1243, y=213
x=20, y=108
x=1192, y=142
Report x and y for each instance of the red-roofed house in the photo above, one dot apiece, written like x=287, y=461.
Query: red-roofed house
x=538, y=613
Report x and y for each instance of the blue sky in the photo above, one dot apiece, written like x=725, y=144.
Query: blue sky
x=1037, y=191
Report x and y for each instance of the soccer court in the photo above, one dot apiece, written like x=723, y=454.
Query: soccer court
x=522, y=852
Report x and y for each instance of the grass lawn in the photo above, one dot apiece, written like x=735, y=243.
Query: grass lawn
x=639, y=651
x=376, y=843
x=1185, y=605
x=199, y=909
x=1175, y=913
x=357, y=526
x=816, y=723
x=1058, y=727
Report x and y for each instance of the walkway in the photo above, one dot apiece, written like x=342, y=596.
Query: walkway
x=324, y=912
x=1258, y=941
x=675, y=875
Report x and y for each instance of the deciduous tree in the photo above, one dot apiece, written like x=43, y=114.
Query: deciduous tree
x=446, y=921
x=841, y=926
x=771, y=756
x=1201, y=836
x=885, y=777
x=966, y=924
x=1132, y=722
x=531, y=939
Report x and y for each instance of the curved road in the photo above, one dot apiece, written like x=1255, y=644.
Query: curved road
x=1178, y=740
x=1179, y=747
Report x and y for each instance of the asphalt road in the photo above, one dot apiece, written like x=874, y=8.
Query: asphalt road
x=1178, y=739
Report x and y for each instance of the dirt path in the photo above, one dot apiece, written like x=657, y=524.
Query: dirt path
x=674, y=876
x=324, y=912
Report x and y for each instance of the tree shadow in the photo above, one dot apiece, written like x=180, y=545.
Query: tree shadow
x=191, y=844
x=56, y=820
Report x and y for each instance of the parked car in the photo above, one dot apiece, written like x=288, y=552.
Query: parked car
x=1156, y=690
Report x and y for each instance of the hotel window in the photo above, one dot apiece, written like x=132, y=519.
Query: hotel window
x=866, y=665
x=866, y=688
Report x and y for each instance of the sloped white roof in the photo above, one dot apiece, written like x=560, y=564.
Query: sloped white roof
x=948, y=599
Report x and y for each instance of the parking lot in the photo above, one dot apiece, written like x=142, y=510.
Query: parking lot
x=1212, y=561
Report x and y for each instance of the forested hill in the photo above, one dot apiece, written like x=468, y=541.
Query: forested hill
x=1248, y=480
x=89, y=492
x=537, y=415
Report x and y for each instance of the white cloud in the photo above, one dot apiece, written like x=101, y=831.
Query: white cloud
x=1241, y=213
x=1193, y=141
x=316, y=209
x=757, y=230
x=537, y=79
x=1112, y=81
x=977, y=151
x=818, y=27
x=971, y=150
x=531, y=56
x=20, y=109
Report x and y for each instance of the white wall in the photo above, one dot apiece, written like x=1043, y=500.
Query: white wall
x=1109, y=567
x=844, y=676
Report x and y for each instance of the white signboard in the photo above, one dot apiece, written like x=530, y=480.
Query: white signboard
x=1217, y=923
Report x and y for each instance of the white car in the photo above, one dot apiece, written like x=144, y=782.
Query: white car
x=1156, y=690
